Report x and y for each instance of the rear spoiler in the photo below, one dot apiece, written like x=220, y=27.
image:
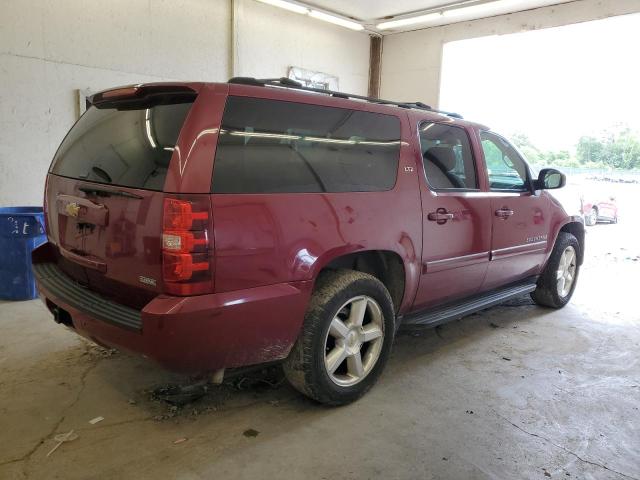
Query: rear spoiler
x=140, y=96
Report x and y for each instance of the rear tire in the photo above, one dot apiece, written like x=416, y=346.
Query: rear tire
x=345, y=340
x=591, y=218
x=560, y=277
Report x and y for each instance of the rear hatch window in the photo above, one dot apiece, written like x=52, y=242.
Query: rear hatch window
x=127, y=147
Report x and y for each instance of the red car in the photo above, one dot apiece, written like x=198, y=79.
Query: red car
x=594, y=211
x=214, y=226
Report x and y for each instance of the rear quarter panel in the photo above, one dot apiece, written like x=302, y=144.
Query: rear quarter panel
x=263, y=239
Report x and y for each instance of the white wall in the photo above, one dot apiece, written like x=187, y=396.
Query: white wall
x=50, y=49
x=411, y=62
x=270, y=40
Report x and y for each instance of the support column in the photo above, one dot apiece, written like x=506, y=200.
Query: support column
x=375, y=58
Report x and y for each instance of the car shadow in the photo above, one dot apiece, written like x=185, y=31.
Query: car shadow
x=163, y=396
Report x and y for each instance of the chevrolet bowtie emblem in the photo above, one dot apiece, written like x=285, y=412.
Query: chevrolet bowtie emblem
x=72, y=209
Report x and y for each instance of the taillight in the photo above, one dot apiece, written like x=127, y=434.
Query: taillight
x=184, y=242
x=179, y=215
x=45, y=205
x=186, y=259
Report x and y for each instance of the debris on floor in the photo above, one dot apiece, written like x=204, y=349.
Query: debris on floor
x=269, y=377
x=251, y=433
x=93, y=421
x=180, y=395
x=62, y=438
x=102, y=352
x=180, y=440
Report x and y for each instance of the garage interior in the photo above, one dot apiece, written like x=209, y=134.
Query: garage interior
x=516, y=391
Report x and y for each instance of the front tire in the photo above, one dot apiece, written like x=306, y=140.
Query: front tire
x=559, y=279
x=346, y=338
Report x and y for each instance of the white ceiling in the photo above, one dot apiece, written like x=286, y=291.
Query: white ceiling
x=371, y=12
x=376, y=9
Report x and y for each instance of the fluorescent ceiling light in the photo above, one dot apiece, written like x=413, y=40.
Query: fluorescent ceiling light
x=403, y=22
x=292, y=7
x=477, y=9
x=335, y=20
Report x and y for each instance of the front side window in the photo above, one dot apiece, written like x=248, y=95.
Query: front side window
x=273, y=146
x=448, y=161
x=506, y=169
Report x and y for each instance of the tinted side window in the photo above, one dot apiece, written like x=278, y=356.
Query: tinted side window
x=447, y=157
x=125, y=147
x=507, y=171
x=271, y=146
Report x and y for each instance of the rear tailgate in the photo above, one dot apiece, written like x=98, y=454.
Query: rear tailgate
x=104, y=198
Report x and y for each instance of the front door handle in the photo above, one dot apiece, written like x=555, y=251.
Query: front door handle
x=440, y=216
x=504, y=213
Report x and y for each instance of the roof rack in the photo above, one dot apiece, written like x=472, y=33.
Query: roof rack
x=288, y=83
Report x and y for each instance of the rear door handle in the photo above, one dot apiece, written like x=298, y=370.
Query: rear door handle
x=504, y=212
x=440, y=216
x=83, y=209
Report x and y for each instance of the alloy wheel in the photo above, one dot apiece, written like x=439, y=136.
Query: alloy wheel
x=354, y=341
x=566, y=273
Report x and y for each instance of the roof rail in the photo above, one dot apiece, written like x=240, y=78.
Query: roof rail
x=289, y=83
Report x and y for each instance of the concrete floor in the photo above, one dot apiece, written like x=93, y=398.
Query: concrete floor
x=514, y=392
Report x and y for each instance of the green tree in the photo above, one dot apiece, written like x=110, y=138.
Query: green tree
x=590, y=150
x=619, y=149
x=526, y=147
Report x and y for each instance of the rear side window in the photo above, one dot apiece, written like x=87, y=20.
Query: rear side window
x=122, y=146
x=271, y=146
x=446, y=153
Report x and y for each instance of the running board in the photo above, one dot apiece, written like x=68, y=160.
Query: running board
x=455, y=311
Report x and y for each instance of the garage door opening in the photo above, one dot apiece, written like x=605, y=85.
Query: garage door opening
x=568, y=98
x=559, y=93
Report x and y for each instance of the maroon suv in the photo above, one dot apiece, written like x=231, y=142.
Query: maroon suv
x=214, y=226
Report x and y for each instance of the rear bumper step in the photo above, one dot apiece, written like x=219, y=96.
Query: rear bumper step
x=52, y=279
x=455, y=311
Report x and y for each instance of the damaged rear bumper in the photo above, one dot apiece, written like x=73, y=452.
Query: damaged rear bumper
x=194, y=334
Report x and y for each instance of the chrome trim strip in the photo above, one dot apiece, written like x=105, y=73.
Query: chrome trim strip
x=455, y=262
x=525, y=248
x=480, y=194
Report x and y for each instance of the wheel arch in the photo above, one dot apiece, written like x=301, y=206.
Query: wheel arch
x=386, y=265
x=576, y=228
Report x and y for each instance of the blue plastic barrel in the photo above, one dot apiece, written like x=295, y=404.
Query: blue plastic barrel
x=21, y=230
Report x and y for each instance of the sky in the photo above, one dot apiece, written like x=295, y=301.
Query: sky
x=555, y=85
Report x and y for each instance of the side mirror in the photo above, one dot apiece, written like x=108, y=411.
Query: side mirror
x=550, y=178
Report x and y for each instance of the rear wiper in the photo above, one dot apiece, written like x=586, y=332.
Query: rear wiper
x=107, y=193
